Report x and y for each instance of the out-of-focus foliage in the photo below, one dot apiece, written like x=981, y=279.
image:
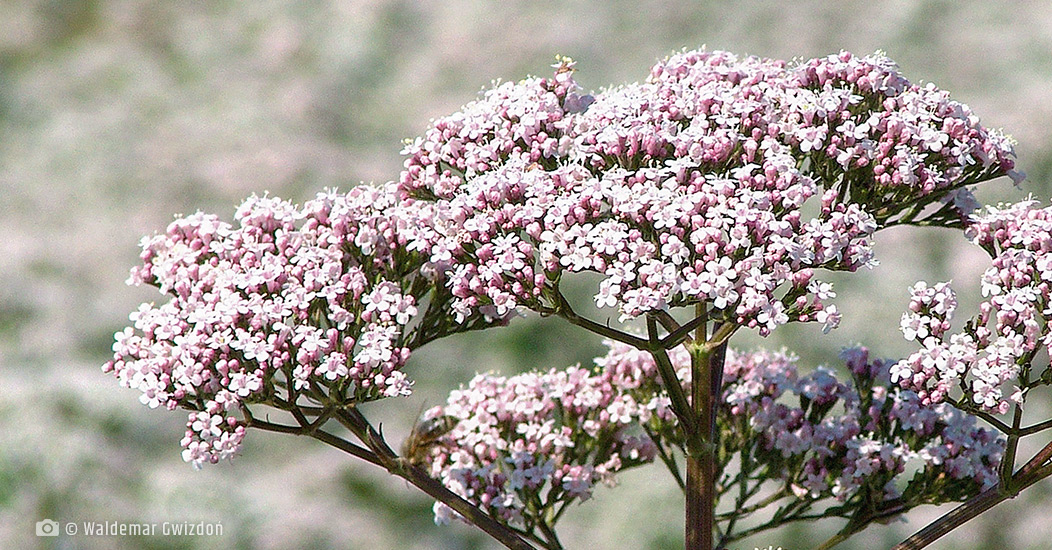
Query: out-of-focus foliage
x=117, y=114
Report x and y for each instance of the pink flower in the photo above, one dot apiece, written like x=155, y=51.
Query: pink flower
x=289, y=289
x=1011, y=326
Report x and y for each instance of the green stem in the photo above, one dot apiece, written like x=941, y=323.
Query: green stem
x=745, y=511
x=564, y=310
x=667, y=458
x=550, y=536
x=325, y=437
x=833, y=541
x=669, y=380
x=700, y=444
x=1007, y=465
x=470, y=512
x=682, y=333
x=1030, y=430
x=672, y=327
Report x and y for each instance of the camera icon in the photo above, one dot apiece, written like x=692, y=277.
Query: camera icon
x=47, y=528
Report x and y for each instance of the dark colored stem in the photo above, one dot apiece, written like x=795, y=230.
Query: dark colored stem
x=716, y=362
x=550, y=536
x=965, y=406
x=767, y=526
x=696, y=416
x=672, y=384
x=701, y=456
x=353, y=419
x=858, y=522
x=700, y=521
x=1035, y=470
x=470, y=512
x=833, y=541
x=1030, y=430
x=682, y=333
x=671, y=326
x=1001, y=426
x=1007, y=466
x=339, y=443
x=564, y=310
x=381, y=454
x=346, y=446
x=746, y=510
x=954, y=519
x=742, y=480
x=667, y=458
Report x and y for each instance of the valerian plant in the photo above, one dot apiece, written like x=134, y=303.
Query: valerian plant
x=705, y=200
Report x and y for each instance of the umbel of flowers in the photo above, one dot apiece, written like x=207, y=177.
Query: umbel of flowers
x=315, y=302
x=991, y=362
x=719, y=185
x=1000, y=355
x=694, y=186
x=523, y=448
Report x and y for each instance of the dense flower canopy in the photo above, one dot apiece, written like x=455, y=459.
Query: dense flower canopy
x=719, y=180
x=317, y=300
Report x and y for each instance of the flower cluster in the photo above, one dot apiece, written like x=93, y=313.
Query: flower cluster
x=528, y=119
x=990, y=360
x=717, y=180
x=315, y=300
x=525, y=445
x=852, y=441
x=930, y=311
x=822, y=437
x=547, y=438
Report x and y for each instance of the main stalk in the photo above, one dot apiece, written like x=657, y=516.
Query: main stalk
x=706, y=363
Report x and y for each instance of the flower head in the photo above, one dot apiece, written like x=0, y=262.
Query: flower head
x=991, y=357
x=718, y=180
x=314, y=300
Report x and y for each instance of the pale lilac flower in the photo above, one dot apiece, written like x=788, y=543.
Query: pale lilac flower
x=515, y=437
x=841, y=439
x=987, y=357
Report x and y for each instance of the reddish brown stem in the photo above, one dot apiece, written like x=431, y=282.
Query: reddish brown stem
x=1035, y=470
x=701, y=456
x=381, y=454
x=354, y=421
x=700, y=520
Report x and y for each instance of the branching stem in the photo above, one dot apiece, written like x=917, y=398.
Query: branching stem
x=564, y=310
x=1033, y=471
x=379, y=453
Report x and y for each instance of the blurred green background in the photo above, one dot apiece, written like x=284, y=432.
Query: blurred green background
x=116, y=115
